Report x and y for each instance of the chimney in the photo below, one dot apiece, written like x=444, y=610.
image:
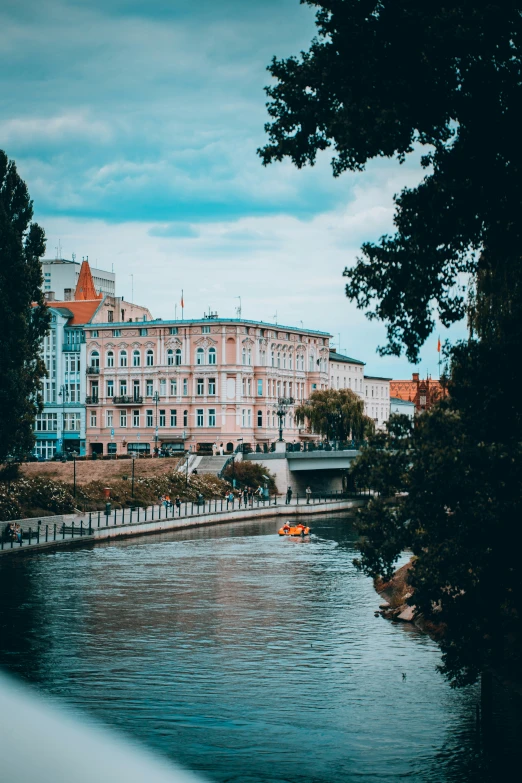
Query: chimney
x=415, y=377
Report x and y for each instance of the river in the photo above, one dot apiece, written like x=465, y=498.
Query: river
x=243, y=656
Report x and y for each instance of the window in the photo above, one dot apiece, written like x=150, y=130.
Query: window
x=170, y=357
x=260, y=418
x=109, y=418
x=211, y=386
x=46, y=422
x=185, y=387
x=199, y=417
x=92, y=417
x=284, y=361
x=205, y=329
x=110, y=316
x=173, y=418
x=260, y=388
x=123, y=388
x=123, y=418
x=144, y=332
x=72, y=392
x=243, y=417
x=200, y=386
x=272, y=358
x=150, y=418
x=136, y=358
x=162, y=418
x=116, y=332
x=136, y=390
x=45, y=449
x=185, y=418
x=112, y=448
x=110, y=358
x=200, y=356
x=211, y=355
x=173, y=387
x=95, y=359
x=148, y=388
x=178, y=356
x=290, y=362
x=243, y=356
x=163, y=387
x=135, y=418
x=150, y=358
x=211, y=417
x=110, y=388
x=122, y=315
x=71, y=422
x=173, y=329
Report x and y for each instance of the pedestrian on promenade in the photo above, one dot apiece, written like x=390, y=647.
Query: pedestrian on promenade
x=178, y=504
x=288, y=495
x=308, y=493
x=230, y=498
x=220, y=449
x=245, y=496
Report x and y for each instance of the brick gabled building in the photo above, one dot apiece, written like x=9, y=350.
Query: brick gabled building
x=423, y=393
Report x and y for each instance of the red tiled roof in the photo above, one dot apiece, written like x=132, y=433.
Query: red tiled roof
x=85, y=289
x=82, y=311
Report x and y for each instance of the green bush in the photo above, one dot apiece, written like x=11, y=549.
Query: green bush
x=250, y=474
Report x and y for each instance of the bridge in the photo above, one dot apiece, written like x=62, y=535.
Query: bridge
x=322, y=470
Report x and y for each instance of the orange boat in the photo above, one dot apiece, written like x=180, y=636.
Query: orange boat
x=296, y=530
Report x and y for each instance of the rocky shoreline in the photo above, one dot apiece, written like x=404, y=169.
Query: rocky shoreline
x=395, y=594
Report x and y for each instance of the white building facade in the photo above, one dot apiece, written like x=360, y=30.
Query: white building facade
x=404, y=407
x=345, y=372
x=61, y=278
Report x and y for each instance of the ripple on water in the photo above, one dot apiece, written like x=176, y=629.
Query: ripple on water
x=242, y=655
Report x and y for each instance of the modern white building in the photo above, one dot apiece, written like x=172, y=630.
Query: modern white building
x=404, y=407
x=61, y=278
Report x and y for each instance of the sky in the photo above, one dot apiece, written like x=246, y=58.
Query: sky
x=135, y=126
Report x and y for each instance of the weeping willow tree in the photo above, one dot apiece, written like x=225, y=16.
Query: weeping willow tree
x=335, y=414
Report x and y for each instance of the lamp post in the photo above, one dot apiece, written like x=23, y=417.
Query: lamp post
x=155, y=399
x=63, y=394
x=74, y=454
x=283, y=405
x=133, y=457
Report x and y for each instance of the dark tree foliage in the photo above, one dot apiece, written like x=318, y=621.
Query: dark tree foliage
x=336, y=414
x=24, y=317
x=382, y=78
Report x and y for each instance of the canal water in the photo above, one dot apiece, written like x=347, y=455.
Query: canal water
x=245, y=657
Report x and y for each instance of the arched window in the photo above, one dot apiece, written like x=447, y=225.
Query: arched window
x=136, y=358
x=272, y=356
x=150, y=357
x=170, y=357
x=284, y=360
x=185, y=418
x=110, y=358
x=123, y=358
x=243, y=356
x=278, y=359
x=178, y=356
x=211, y=355
x=95, y=359
x=249, y=356
x=200, y=356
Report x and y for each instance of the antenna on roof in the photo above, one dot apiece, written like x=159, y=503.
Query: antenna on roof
x=238, y=309
x=74, y=257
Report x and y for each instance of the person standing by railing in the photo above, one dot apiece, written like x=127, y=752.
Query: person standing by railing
x=308, y=493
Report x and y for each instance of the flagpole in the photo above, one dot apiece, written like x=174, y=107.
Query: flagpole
x=182, y=305
x=438, y=349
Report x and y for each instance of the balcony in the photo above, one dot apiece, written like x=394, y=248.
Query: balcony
x=92, y=399
x=93, y=370
x=125, y=399
x=76, y=347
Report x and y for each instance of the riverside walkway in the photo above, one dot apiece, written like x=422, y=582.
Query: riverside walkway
x=97, y=526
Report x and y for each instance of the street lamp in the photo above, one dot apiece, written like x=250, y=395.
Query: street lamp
x=64, y=395
x=155, y=399
x=133, y=457
x=74, y=454
x=283, y=405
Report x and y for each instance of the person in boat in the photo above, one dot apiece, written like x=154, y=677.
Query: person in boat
x=286, y=526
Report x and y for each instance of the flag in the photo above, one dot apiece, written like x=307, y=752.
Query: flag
x=438, y=345
x=182, y=302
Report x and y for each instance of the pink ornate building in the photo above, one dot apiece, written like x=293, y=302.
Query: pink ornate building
x=191, y=384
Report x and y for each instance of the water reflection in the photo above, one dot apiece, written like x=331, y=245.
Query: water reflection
x=242, y=655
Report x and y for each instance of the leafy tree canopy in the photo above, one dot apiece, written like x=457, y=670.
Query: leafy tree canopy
x=382, y=78
x=336, y=414
x=24, y=318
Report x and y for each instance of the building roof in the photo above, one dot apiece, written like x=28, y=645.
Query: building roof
x=398, y=401
x=210, y=321
x=80, y=312
x=375, y=378
x=339, y=357
x=85, y=289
